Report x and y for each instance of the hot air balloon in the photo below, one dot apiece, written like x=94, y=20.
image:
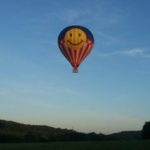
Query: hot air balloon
x=76, y=43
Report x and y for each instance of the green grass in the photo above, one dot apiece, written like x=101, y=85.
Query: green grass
x=106, y=145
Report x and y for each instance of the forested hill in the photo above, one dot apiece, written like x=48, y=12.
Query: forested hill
x=16, y=132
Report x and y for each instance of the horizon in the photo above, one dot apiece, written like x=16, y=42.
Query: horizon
x=111, y=91
x=67, y=128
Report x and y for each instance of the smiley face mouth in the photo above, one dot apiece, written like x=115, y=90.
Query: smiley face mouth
x=75, y=43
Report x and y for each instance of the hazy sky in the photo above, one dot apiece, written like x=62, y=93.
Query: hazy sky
x=110, y=93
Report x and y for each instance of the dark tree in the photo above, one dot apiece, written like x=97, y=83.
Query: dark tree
x=146, y=131
x=2, y=125
x=29, y=137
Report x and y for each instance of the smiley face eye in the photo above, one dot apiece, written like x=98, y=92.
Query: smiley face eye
x=70, y=34
x=79, y=34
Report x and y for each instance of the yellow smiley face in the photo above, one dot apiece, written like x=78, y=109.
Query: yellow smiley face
x=75, y=38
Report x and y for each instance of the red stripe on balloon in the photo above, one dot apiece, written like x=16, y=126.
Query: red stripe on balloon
x=89, y=49
x=82, y=52
x=73, y=55
x=77, y=56
x=66, y=51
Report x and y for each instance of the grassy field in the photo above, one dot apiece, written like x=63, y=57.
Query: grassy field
x=110, y=145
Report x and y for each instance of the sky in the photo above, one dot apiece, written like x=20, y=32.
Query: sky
x=110, y=93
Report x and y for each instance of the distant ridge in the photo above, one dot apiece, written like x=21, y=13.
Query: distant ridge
x=17, y=132
x=125, y=135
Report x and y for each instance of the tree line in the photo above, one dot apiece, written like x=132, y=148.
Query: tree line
x=17, y=132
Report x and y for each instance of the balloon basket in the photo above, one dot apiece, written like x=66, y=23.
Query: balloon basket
x=75, y=70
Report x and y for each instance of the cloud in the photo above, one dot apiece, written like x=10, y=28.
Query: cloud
x=134, y=52
x=83, y=12
x=106, y=39
x=147, y=56
x=30, y=91
x=70, y=15
x=90, y=15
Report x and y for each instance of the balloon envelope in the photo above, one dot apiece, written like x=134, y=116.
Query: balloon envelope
x=75, y=43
